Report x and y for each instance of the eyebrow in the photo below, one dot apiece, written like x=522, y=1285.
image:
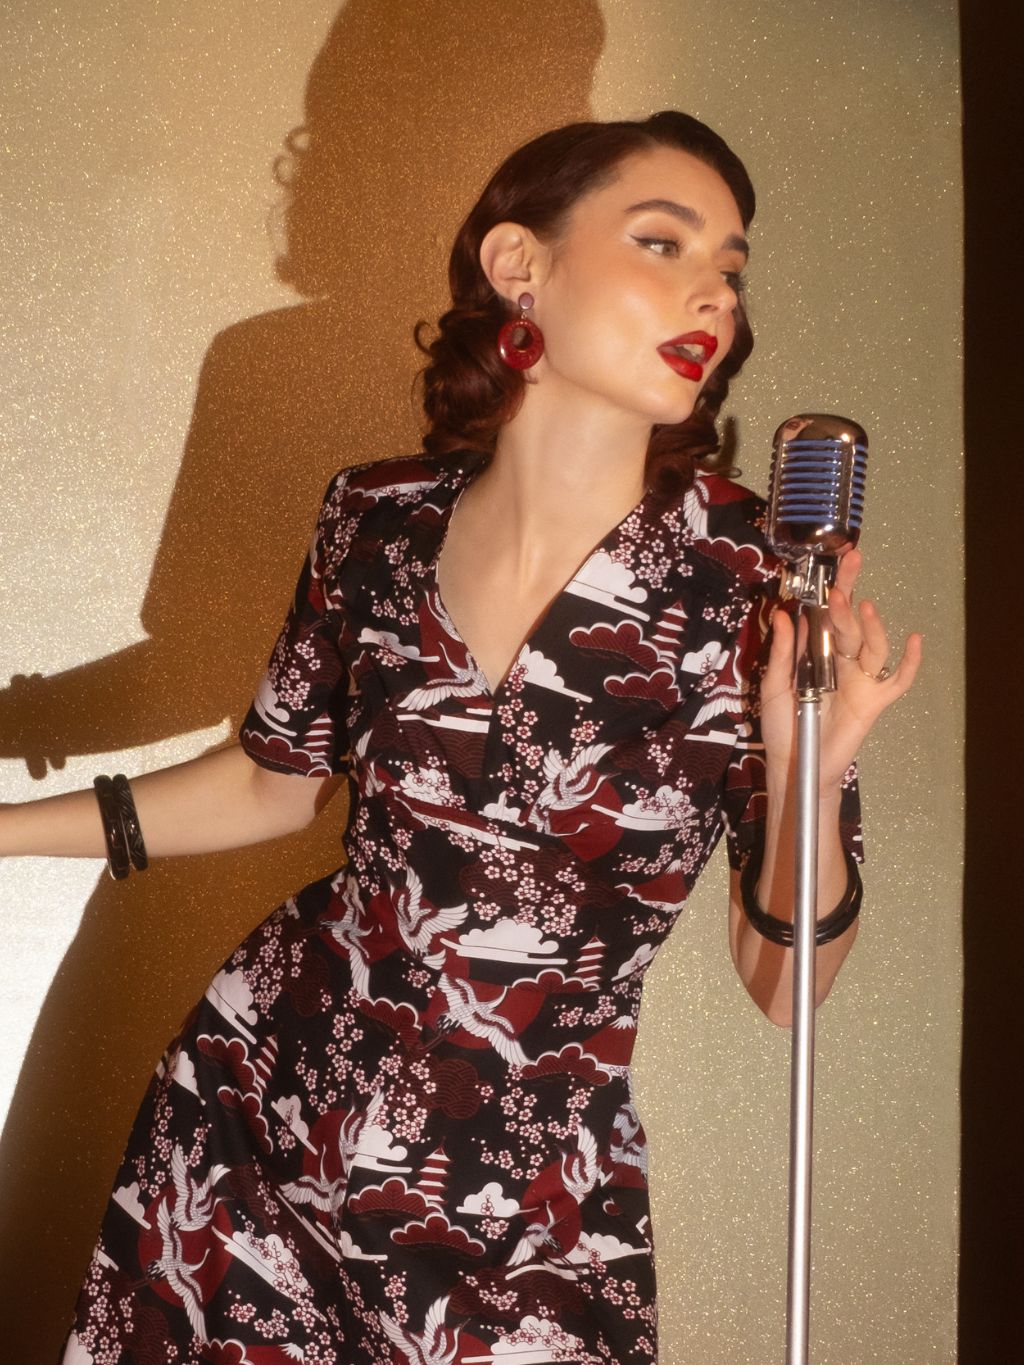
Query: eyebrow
x=692, y=219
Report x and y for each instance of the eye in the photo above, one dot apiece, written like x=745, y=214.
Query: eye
x=735, y=280
x=661, y=246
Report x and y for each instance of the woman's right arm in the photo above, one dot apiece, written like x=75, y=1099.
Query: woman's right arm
x=218, y=801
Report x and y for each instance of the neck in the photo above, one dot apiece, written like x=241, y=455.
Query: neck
x=566, y=471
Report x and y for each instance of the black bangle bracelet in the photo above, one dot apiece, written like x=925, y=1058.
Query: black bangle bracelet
x=130, y=823
x=118, y=861
x=780, y=931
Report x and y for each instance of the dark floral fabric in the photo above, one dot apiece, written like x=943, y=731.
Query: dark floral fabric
x=399, y=1127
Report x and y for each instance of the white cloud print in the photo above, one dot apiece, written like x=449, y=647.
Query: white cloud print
x=502, y=809
x=492, y=1195
x=601, y=571
x=289, y=1107
x=128, y=1197
x=509, y=941
x=540, y=1333
x=707, y=660
x=75, y=1353
x=387, y=639
x=607, y=1248
x=642, y=958
x=431, y=786
x=353, y=1253
x=271, y=1260
x=184, y=1072
x=268, y=706
x=377, y=1150
x=231, y=997
x=603, y=579
x=542, y=672
x=666, y=808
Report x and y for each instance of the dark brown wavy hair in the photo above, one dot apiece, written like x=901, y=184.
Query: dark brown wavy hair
x=468, y=392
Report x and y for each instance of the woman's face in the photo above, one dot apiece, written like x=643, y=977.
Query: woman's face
x=637, y=308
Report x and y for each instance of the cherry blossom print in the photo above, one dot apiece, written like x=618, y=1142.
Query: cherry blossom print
x=400, y=1125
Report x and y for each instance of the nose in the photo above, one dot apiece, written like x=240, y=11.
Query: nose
x=713, y=294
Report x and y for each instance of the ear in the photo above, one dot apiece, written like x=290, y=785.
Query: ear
x=514, y=260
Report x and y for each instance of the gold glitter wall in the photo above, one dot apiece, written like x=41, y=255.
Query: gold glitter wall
x=173, y=410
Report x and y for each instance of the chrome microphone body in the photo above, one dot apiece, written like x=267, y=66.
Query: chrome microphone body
x=815, y=508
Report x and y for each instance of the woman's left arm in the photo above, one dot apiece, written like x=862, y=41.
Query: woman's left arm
x=861, y=695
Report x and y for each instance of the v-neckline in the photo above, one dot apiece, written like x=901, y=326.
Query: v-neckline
x=468, y=475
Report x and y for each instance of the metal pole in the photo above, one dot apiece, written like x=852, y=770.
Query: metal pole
x=801, y=1113
x=814, y=515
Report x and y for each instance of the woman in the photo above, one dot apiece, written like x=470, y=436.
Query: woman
x=399, y=1125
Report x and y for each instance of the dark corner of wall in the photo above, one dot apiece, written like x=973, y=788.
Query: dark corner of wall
x=992, y=1226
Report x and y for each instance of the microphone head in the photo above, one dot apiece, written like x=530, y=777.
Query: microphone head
x=816, y=486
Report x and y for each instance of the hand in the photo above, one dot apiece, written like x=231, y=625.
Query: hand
x=862, y=648
x=25, y=727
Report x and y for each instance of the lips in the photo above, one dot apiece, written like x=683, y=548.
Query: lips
x=689, y=353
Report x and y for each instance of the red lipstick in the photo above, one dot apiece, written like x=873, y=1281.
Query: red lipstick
x=689, y=353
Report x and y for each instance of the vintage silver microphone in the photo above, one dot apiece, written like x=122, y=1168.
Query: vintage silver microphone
x=815, y=505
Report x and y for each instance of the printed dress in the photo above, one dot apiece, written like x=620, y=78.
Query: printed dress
x=399, y=1126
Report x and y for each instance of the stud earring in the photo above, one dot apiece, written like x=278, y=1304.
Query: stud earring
x=520, y=341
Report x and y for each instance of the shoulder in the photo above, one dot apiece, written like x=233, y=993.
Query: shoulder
x=726, y=523
x=731, y=506
x=382, y=489
x=381, y=503
x=399, y=479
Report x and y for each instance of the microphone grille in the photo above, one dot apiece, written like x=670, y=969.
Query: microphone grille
x=818, y=474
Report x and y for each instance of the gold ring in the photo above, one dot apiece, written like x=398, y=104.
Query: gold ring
x=884, y=672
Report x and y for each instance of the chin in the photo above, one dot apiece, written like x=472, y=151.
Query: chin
x=671, y=414
x=667, y=408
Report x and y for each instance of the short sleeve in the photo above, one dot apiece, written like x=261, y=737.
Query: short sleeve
x=296, y=723
x=745, y=801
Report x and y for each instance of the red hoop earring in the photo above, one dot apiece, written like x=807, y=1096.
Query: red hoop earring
x=520, y=341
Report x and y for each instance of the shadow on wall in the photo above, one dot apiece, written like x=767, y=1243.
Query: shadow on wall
x=408, y=108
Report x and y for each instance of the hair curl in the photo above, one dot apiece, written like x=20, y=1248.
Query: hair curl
x=468, y=392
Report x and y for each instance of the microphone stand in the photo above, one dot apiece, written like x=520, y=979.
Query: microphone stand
x=807, y=582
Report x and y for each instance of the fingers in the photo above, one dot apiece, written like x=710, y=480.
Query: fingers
x=848, y=572
x=863, y=649
x=905, y=672
x=874, y=649
x=860, y=634
x=779, y=673
x=845, y=622
x=846, y=626
x=866, y=688
x=872, y=654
